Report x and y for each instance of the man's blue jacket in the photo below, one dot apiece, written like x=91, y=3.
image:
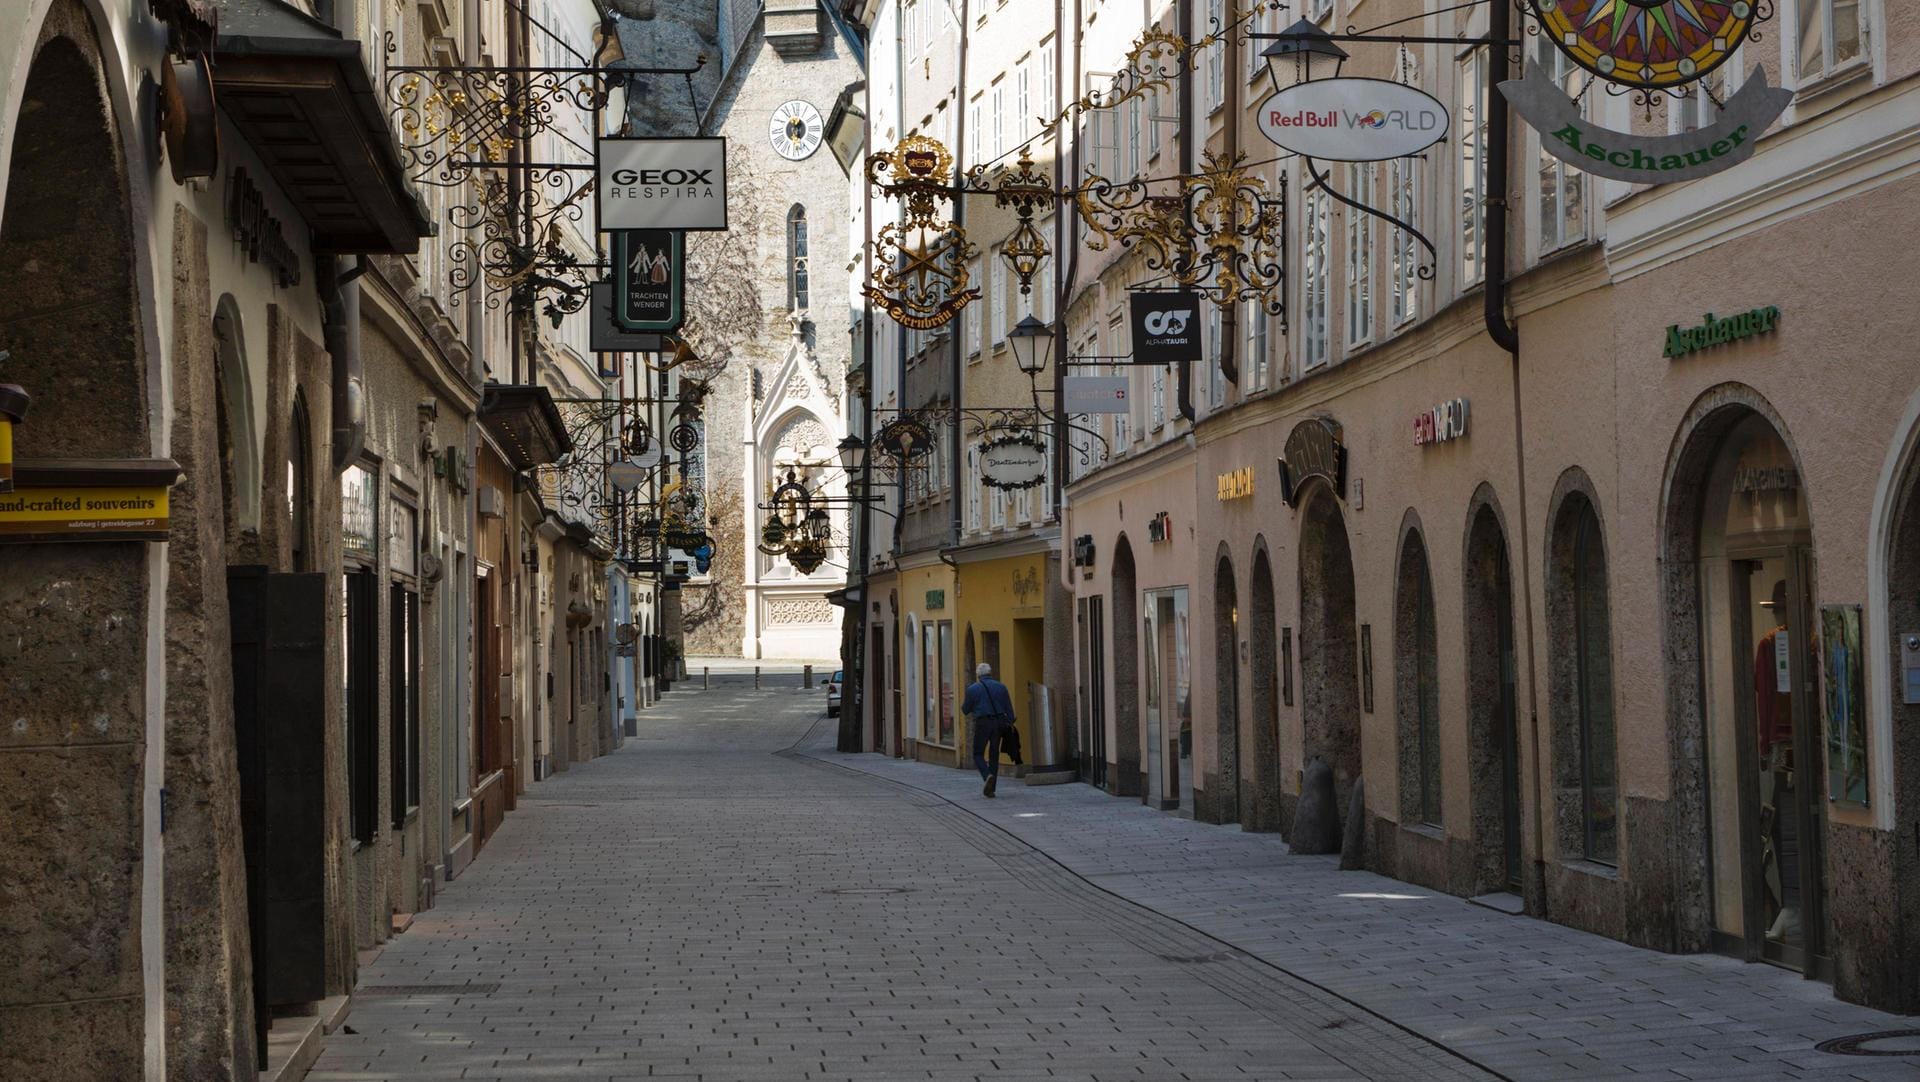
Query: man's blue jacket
x=987, y=698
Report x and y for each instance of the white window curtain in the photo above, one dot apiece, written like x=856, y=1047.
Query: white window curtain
x=1360, y=256
x=1403, y=182
x=1471, y=120
x=1315, y=285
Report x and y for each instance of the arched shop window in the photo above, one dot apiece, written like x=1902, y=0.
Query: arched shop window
x=1417, y=686
x=1585, y=774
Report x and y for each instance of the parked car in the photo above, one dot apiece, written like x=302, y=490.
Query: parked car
x=833, y=692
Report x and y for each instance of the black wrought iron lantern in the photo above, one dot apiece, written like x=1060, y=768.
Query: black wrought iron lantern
x=1032, y=343
x=1307, y=50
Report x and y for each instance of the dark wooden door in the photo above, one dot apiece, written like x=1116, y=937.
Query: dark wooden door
x=279, y=695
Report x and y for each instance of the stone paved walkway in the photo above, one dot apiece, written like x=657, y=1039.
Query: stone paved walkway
x=1521, y=998
x=706, y=903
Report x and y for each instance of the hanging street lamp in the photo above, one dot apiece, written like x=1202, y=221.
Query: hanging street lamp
x=1310, y=49
x=1032, y=343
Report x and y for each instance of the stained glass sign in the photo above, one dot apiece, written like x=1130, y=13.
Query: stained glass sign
x=1646, y=43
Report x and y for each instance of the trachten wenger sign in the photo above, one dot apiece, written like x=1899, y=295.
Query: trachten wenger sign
x=1166, y=327
x=1353, y=120
x=648, y=267
x=1646, y=159
x=646, y=183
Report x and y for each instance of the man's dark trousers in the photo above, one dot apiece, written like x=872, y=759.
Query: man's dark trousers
x=986, y=747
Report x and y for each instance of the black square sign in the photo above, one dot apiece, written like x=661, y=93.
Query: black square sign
x=1166, y=327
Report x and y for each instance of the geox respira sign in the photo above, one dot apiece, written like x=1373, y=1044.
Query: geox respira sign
x=647, y=183
x=1646, y=159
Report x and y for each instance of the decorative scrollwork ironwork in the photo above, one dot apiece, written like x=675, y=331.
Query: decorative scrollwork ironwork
x=920, y=262
x=451, y=121
x=1221, y=232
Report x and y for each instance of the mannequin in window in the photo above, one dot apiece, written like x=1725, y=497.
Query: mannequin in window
x=1773, y=729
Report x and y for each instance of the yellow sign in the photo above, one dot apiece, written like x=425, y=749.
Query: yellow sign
x=1234, y=484
x=75, y=514
x=6, y=455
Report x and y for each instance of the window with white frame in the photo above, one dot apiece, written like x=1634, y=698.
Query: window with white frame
x=1216, y=378
x=1360, y=255
x=1263, y=22
x=1562, y=210
x=1254, y=366
x=1470, y=83
x=1134, y=136
x=1157, y=401
x=1022, y=97
x=971, y=323
x=1153, y=121
x=997, y=508
x=1123, y=422
x=975, y=129
x=1319, y=9
x=1046, y=79
x=1316, y=229
x=998, y=295
x=1704, y=96
x=1829, y=35
x=1403, y=271
x=974, y=486
x=999, y=118
x=1216, y=56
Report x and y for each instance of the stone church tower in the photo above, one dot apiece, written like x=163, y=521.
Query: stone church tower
x=774, y=323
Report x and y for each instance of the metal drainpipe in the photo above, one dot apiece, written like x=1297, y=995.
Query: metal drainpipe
x=340, y=332
x=1232, y=81
x=1064, y=238
x=1185, y=9
x=1507, y=336
x=1061, y=433
x=955, y=391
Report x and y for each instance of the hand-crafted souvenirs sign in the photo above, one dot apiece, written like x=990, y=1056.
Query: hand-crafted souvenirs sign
x=645, y=183
x=57, y=500
x=1011, y=462
x=1646, y=159
x=1166, y=326
x=647, y=276
x=1353, y=120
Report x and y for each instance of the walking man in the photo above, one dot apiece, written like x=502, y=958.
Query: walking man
x=990, y=708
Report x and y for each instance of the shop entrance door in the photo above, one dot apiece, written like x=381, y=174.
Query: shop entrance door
x=1093, y=651
x=1169, y=720
x=1782, y=817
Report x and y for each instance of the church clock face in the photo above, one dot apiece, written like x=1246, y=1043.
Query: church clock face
x=795, y=129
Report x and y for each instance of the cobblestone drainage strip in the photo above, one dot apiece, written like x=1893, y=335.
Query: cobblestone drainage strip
x=868, y=890
x=1195, y=959
x=1903, y=1042
x=373, y=991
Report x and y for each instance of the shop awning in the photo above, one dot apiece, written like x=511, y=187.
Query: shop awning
x=524, y=421
x=301, y=96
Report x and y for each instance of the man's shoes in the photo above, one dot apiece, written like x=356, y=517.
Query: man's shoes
x=987, y=789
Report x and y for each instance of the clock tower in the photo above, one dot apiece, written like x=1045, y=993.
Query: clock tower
x=778, y=407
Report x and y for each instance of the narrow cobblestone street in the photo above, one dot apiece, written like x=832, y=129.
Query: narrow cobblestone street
x=762, y=911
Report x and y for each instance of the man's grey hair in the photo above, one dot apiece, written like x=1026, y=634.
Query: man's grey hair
x=983, y=669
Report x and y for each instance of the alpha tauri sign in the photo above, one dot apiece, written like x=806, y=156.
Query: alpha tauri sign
x=646, y=183
x=1353, y=120
x=1166, y=326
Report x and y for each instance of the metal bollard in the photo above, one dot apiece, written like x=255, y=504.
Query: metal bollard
x=756, y=678
x=806, y=676
x=706, y=678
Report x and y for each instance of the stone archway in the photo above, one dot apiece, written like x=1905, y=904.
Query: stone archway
x=70, y=314
x=1261, y=804
x=1493, y=734
x=1126, y=774
x=1890, y=978
x=1329, y=645
x=1219, y=802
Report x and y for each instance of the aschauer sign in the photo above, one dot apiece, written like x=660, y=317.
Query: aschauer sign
x=1714, y=331
x=1646, y=159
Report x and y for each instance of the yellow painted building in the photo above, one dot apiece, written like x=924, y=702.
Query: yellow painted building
x=1002, y=621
